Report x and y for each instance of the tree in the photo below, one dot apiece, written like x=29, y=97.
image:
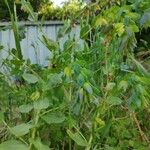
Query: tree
x=4, y=13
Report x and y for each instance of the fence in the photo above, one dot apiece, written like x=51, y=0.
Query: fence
x=32, y=47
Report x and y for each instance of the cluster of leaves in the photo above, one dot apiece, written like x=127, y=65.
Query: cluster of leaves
x=69, y=10
x=93, y=95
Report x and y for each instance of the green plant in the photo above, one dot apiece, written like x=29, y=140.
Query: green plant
x=93, y=95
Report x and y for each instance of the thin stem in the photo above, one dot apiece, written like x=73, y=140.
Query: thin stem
x=89, y=142
x=37, y=116
x=70, y=97
x=143, y=135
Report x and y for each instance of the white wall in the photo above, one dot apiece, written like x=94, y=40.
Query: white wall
x=32, y=48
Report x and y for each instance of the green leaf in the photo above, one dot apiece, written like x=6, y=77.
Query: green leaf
x=88, y=88
x=134, y=28
x=35, y=96
x=13, y=145
x=54, y=79
x=100, y=122
x=110, y=86
x=85, y=31
x=54, y=118
x=26, y=6
x=123, y=85
x=132, y=15
x=39, y=145
x=119, y=28
x=21, y=129
x=50, y=44
x=25, y=108
x=78, y=138
x=144, y=80
x=99, y=21
x=68, y=71
x=30, y=78
x=68, y=45
x=41, y=104
x=114, y=100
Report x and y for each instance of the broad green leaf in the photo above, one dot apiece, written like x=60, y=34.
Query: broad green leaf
x=30, y=78
x=21, y=129
x=114, y=100
x=54, y=79
x=41, y=104
x=54, y=118
x=39, y=145
x=88, y=88
x=85, y=31
x=123, y=85
x=140, y=89
x=25, y=108
x=13, y=145
x=77, y=138
x=134, y=28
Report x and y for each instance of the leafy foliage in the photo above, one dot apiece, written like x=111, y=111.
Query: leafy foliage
x=94, y=95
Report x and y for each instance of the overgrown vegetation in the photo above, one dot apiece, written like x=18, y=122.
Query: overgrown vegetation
x=93, y=95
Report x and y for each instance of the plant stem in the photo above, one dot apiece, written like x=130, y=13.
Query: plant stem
x=70, y=97
x=33, y=134
x=143, y=136
x=90, y=142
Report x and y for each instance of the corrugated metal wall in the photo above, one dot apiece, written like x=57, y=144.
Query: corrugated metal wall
x=32, y=47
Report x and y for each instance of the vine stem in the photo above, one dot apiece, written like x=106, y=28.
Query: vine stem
x=34, y=131
x=70, y=97
x=89, y=142
x=143, y=136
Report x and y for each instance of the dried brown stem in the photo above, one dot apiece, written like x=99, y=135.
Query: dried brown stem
x=143, y=135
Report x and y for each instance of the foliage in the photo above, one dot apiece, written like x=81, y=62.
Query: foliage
x=44, y=8
x=68, y=10
x=4, y=13
x=94, y=95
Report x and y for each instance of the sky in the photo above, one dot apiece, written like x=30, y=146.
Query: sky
x=58, y=2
